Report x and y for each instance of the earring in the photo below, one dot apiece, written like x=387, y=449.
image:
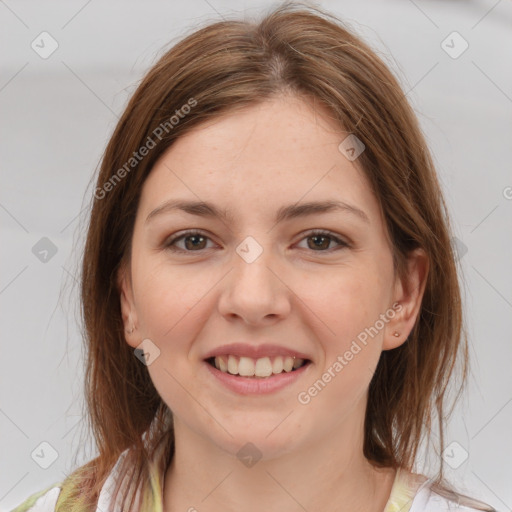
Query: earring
x=131, y=330
x=396, y=334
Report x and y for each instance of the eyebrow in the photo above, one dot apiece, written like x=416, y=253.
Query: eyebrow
x=293, y=211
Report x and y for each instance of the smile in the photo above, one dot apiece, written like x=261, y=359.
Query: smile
x=256, y=384
x=262, y=367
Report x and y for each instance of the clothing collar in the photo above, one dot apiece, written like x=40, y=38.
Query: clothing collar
x=152, y=491
x=404, y=490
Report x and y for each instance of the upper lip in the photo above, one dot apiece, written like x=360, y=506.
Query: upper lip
x=254, y=351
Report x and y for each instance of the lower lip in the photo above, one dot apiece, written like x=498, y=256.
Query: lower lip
x=257, y=385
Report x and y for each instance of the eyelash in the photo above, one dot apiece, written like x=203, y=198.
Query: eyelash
x=315, y=232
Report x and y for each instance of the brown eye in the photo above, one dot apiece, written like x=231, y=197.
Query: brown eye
x=194, y=241
x=320, y=241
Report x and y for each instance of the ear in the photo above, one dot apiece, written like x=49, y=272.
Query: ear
x=407, y=297
x=128, y=311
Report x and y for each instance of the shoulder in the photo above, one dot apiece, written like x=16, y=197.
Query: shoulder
x=431, y=498
x=42, y=501
x=59, y=496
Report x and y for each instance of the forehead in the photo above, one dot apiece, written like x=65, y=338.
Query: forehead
x=281, y=151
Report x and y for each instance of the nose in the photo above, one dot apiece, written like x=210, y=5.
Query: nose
x=255, y=290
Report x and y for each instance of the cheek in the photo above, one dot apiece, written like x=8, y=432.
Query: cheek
x=346, y=301
x=348, y=308
x=167, y=299
x=168, y=308
x=349, y=305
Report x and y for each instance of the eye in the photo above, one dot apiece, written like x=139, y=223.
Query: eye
x=195, y=241
x=319, y=238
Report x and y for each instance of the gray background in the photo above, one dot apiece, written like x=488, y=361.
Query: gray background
x=57, y=115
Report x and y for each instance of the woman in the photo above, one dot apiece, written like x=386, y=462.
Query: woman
x=270, y=298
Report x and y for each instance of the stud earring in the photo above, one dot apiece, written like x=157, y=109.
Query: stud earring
x=131, y=330
x=396, y=334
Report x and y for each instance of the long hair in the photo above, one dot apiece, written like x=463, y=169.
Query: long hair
x=217, y=69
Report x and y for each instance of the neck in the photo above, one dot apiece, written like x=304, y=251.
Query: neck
x=329, y=475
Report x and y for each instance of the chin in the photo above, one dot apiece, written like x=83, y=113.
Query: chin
x=255, y=443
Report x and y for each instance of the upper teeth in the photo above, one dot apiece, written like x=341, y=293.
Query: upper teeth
x=262, y=367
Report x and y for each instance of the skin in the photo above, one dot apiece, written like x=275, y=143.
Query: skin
x=280, y=152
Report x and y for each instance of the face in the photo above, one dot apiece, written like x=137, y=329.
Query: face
x=314, y=282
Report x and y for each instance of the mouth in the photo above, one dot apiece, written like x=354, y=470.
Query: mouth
x=261, y=368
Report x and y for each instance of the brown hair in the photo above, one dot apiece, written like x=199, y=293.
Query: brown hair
x=229, y=65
